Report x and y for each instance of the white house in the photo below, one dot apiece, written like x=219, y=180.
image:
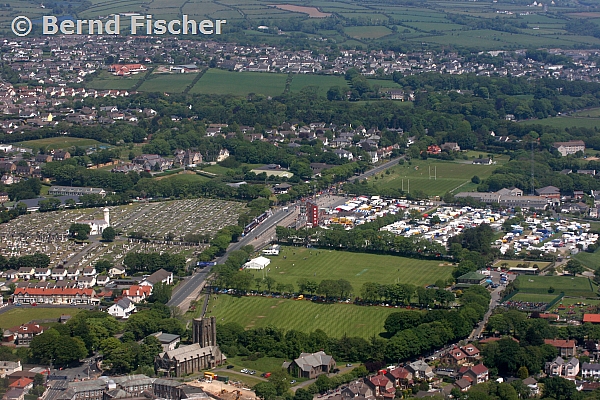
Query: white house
x=122, y=309
x=159, y=276
x=116, y=271
x=590, y=370
x=42, y=273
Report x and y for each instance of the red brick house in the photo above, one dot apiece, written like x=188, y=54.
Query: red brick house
x=400, y=377
x=382, y=386
x=477, y=374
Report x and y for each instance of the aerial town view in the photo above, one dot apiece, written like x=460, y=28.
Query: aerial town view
x=299, y=200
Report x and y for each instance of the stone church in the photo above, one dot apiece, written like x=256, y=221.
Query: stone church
x=204, y=353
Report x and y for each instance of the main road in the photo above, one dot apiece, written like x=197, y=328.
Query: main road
x=190, y=288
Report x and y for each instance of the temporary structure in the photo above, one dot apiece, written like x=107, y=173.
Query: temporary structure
x=257, y=263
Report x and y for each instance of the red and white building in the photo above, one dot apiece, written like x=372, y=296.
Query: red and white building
x=55, y=296
x=126, y=69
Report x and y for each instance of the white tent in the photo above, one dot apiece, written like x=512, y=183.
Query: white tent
x=257, y=263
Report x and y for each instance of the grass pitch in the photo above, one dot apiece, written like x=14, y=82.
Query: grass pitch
x=450, y=176
x=356, y=268
x=571, y=286
x=334, y=319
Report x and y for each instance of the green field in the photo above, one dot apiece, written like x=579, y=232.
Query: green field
x=367, y=32
x=170, y=83
x=571, y=286
x=62, y=142
x=323, y=82
x=429, y=23
x=334, y=319
x=105, y=80
x=265, y=364
x=451, y=176
x=565, y=122
x=357, y=268
x=589, y=113
x=513, y=263
x=590, y=260
x=22, y=315
x=216, y=81
x=534, y=298
x=185, y=179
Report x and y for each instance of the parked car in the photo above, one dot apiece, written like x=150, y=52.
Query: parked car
x=229, y=366
x=293, y=381
x=348, y=365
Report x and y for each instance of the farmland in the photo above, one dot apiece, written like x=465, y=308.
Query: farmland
x=451, y=176
x=357, y=268
x=216, y=81
x=430, y=22
x=303, y=315
x=323, y=82
x=571, y=286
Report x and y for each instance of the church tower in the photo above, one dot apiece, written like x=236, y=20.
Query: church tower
x=205, y=331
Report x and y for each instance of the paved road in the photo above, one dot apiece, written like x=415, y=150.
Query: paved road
x=187, y=288
x=495, y=300
x=377, y=169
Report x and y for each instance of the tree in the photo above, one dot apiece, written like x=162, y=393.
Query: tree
x=109, y=234
x=79, y=231
x=559, y=389
x=270, y=282
x=265, y=390
x=523, y=373
x=161, y=293
x=400, y=321
x=302, y=394
x=102, y=266
x=574, y=266
x=323, y=383
x=281, y=381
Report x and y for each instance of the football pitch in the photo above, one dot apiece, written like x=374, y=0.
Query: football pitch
x=303, y=315
x=294, y=263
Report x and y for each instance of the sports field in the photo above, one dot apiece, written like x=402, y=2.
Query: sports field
x=21, y=315
x=61, y=142
x=444, y=176
x=170, y=83
x=571, y=286
x=216, y=81
x=356, y=268
x=303, y=315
